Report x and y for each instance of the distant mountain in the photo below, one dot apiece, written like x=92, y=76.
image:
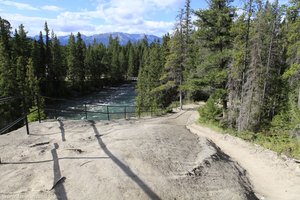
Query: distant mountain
x=103, y=38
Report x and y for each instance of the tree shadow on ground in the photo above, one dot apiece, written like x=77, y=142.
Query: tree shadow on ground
x=147, y=190
x=59, y=189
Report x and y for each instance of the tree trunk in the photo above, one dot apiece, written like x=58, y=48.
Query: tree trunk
x=180, y=93
x=299, y=99
x=224, y=104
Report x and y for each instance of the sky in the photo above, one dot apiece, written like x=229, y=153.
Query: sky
x=89, y=17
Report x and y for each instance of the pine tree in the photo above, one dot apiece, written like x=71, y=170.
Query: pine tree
x=8, y=81
x=131, y=72
x=47, y=56
x=187, y=31
x=260, y=97
x=240, y=63
x=21, y=53
x=214, y=36
x=31, y=80
x=148, y=95
x=58, y=71
x=123, y=63
x=80, y=55
x=291, y=116
x=7, y=75
x=94, y=67
x=71, y=60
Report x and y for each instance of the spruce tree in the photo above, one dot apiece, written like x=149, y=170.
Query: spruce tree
x=58, y=69
x=80, y=55
x=148, y=95
x=71, y=60
x=131, y=72
x=239, y=63
x=291, y=117
x=8, y=82
x=261, y=88
x=214, y=36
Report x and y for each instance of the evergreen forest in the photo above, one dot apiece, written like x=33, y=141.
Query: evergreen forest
x=244, y=62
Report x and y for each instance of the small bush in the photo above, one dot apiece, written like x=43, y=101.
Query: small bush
x=280, y=122
x=32, y=117
x=210, y=111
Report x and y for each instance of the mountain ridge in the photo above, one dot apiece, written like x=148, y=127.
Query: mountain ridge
x=103, y=38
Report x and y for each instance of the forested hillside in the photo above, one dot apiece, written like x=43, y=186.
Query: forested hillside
x=247, y=66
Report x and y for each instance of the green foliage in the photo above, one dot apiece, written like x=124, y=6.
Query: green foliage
x=281, y=122
x=152, y=68
x=215, y=41
x=280, y=142
x=210, y=112
x=292, y=71
x=34, y=116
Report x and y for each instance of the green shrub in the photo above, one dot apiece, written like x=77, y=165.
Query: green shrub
x=280, y=122
x=210, y=111
x=32, y=117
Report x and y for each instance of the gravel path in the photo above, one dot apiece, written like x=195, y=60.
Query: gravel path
x=156, y=158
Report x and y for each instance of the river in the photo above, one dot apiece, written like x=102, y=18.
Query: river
x=119, y=101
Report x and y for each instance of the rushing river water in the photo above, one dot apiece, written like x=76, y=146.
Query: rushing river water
x=118, y=101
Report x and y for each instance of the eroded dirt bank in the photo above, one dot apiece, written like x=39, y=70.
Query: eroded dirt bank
x=146, y=159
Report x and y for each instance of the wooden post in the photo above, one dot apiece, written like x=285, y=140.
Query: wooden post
x=139, y=112
x=107, y=110
x=25, y=115
x=85, y=110
x=55, y=113
x=38, y=107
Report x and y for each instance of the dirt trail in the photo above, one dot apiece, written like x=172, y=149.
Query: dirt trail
x=273, y=177
x=155, y=158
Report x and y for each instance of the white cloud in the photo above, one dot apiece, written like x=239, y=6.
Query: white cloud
x=20, y=6
x=166, y=3
x=52, y=8
x=130, y=16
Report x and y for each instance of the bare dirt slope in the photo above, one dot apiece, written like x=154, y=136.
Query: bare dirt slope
x=146, y=159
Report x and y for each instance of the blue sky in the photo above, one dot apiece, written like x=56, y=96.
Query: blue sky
x=95, y=16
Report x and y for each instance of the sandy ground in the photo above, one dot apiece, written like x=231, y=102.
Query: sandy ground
x=155, y=158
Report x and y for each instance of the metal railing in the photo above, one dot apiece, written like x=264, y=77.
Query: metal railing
x=102, y=111
x=4, y=100
x=52, y=110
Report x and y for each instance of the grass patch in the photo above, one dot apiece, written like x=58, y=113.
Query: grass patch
x=281, y=142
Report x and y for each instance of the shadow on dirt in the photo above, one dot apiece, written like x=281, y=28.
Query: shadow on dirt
x=147, y=190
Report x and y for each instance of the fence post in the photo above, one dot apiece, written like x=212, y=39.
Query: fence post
x=107, y=110
x=85, y=110
x=139, y=112
x=25, y=115
x=125, y=112
x=55, y=113
x=38, y=107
